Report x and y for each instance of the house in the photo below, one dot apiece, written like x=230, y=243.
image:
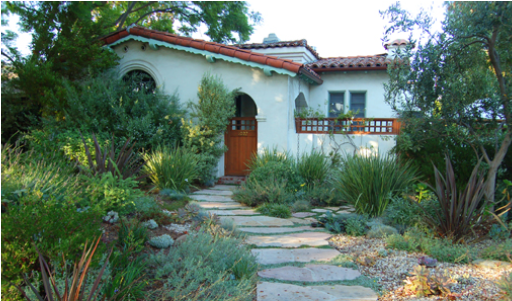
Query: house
x=278, y=79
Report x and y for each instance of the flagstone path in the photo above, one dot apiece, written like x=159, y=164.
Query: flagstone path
x=300, y=251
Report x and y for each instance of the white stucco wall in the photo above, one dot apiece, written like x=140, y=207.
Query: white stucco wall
x=181, y=72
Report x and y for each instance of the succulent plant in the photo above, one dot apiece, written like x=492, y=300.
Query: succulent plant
x=112, y=217
x=161, y=242
x=151, y=224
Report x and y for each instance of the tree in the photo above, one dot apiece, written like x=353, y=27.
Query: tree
x=457, y=83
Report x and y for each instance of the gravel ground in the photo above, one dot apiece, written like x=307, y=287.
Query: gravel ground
x=466, y=281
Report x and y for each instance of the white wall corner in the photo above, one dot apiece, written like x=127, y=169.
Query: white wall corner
x=261, y=118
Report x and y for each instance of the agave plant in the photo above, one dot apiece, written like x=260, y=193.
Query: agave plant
x=460, y=214
x=126, y=164
x=71, y=292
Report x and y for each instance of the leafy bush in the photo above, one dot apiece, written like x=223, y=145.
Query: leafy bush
x=211, y=116
x=285, y=171
x=402, y=211
x=350, y=223
x=219, y=268
x=55, y=226
x=253, y=193
x=107, y=192
x=268, y=155
x=440, y=249
x=500, y=251
x=313, y=168
x=505, y=284
x=381, y=231
x=301, y=205
x=107, y=104
x=460, y=215
x=370, y=182
x=172, y=168
x=275, y=210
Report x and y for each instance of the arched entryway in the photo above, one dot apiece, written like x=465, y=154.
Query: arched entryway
x=241, y=137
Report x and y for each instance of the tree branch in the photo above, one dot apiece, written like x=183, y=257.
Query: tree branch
x=7, y=56
x=143, y=6
x=166, y=10
x=125, y=15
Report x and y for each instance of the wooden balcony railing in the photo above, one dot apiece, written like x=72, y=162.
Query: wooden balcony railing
x=358, y=126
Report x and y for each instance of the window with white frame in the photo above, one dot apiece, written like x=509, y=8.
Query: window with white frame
x=358, y=104
x=336, y=103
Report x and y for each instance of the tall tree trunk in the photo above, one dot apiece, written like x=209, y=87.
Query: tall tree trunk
x=490, y=182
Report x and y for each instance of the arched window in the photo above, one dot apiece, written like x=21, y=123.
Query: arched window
x=245, y=106
x=300, y=103
x=140, y=81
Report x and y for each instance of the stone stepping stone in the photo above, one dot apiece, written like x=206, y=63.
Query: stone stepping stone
x=305, y=221
x=225, y=187
x=303, y=214
x=275, y=256
x=290, y=292
x=320, y=210
x=311, y=273
x=234, y=212
x=265, y=230
x=218, y=205
x=211, y=198
x=258, y=221
x=313, y=239
x=214, y=192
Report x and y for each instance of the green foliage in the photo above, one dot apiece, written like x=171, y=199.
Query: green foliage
x=356, y=225
x=505, y=284
x=460, y=93
x=301, y=205
x=285, y=171
x=174, y=168
x=350, y=223
x=499, y=232
x=131, y=237
x=460, y=214
x=440, y=249
x=370, y=182
x=107, y=192
x=501, y=251
x=253, y=193
x=216, y=269
x=211, y=114
x=56, y=227
x=268, y=155
x=275, y=210
x=380, y=231
x=313, y=168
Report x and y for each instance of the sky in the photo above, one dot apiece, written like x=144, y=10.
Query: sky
x=335, y=28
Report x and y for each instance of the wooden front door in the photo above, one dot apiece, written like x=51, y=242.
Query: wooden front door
x=241, y=140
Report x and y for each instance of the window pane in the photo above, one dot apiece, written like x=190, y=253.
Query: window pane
x=336, y=102
x=357, y=102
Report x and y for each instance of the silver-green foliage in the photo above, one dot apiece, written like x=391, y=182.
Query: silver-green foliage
x=380, y=231
x=369, y=182
x=174, y=168
x=206, y=268
x=209, y=119
x=161, y=242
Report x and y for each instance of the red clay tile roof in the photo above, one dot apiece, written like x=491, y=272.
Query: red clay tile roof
x=280, y=44
x=350, y=63
x=231, y=51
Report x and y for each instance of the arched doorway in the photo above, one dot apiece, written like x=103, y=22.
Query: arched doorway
x=241, y=137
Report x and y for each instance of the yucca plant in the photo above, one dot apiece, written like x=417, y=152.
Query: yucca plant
x=174, y=168
x=313, y=167
x=126, y=164
x=75, y=291
x=460, y=214
x=370, y=182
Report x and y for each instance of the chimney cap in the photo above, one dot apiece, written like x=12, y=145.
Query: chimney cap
x=396, y=43
x=272, y=38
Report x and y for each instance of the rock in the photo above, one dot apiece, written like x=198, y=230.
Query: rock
x=290, y=240
x=161, y=242
x=274, y=256
x=427, y=261
x=265, y=230
x=213, y=192
x=290, y=292
x=167, y=212
x=180, y=239
x=305, y=221
x=211, y=198
x=112, y=217
x=492, y=264
x=219, y=205
x=234, y=212
x=151, y=224
x=310, y=273
x=178, y=228
x=258, y=221
x=303, y=214
x=320, y=210
x=225, y=187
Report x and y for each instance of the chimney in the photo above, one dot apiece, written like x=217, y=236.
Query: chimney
x=272, y=38
x=393, y=46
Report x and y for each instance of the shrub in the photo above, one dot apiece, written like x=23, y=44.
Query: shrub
x=219, y=268
x=269, y=155
x=402, y=211
x=161, y=242
x=285, y=171
x=211, y=116
x=275, y=210
x=380, y=231
x=301, y=205
x=313, y=168
x=253, y=193
x=356, y=225
x=500, y=251
x=460, y=215
x=370, y=182
x=350, y=223
x=505, y=284
x=55, y=227
x=171, y=168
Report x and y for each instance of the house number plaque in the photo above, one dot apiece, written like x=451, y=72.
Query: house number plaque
x=243, y=133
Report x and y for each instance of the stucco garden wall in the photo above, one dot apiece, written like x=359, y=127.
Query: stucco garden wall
x=181, y=72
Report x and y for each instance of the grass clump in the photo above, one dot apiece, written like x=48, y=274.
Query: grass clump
x=370, y=182
x=313, y=167
x=275, y=210
x=206, y=268
x=174, y=168
x=301, y=205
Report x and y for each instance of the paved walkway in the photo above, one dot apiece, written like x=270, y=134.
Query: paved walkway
x=289, y=252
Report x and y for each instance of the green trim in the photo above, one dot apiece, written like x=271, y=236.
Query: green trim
x=152, y=45
x=204, y=53
x=210, y=59
x=267, y=71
